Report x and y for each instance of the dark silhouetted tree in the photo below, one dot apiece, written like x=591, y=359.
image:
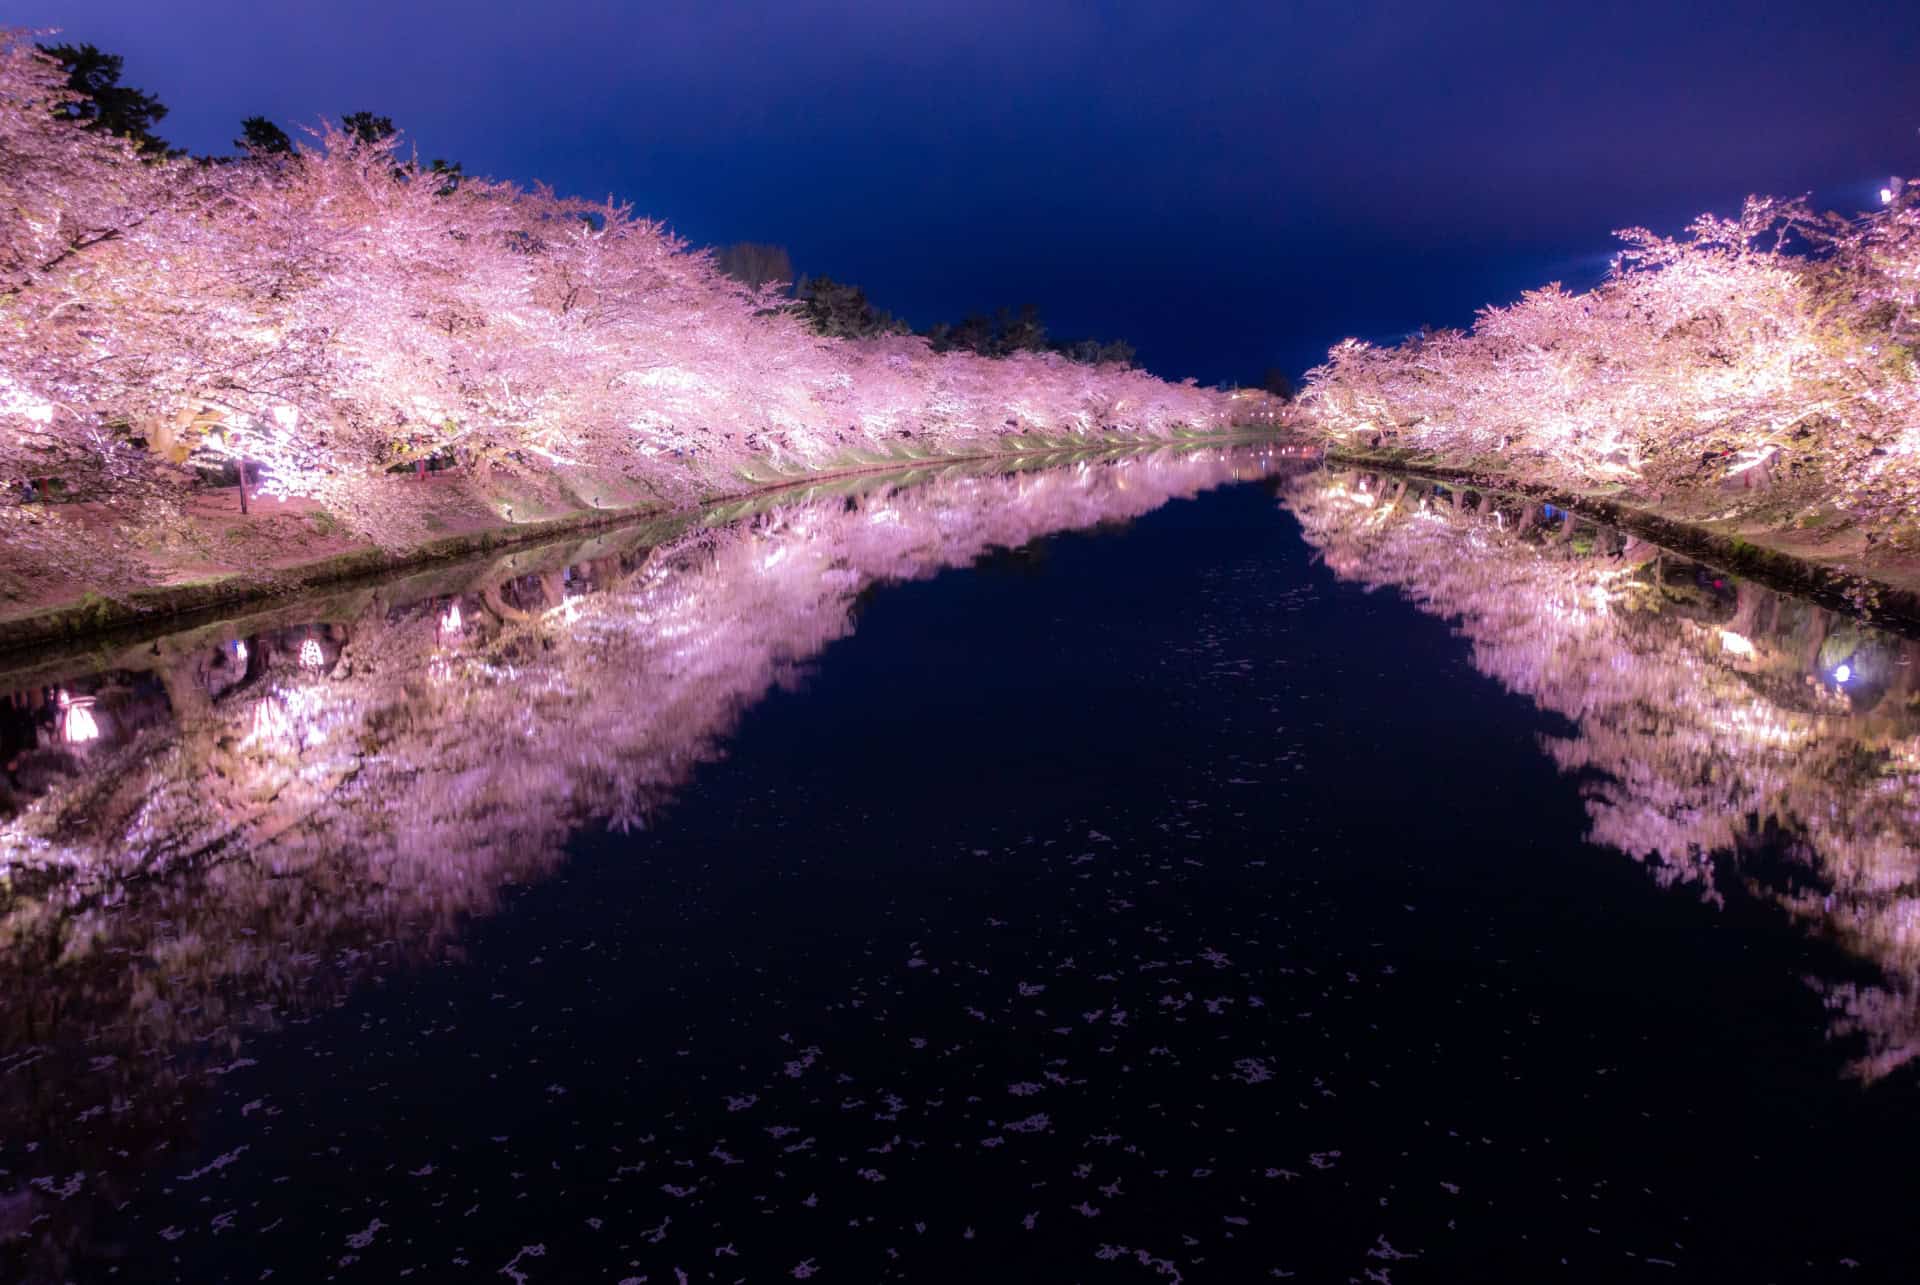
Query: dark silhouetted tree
x=1095, y=352
x=1010, y=331
x=262, y=137
x=368, y=128
x=371, y=131
x=972, y=334
x=754, y=264
x=1020, y=331
x=840, y=310
x=1275, y=381
x=109, y=106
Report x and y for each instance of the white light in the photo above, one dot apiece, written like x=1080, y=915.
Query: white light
x=1886, y=196
x=286, y=416
x=240, y=652
x=1735, y=644
x=1843, y=673
x=77, y=724
x=450, y=623
x=270, y=723
x=310, y=655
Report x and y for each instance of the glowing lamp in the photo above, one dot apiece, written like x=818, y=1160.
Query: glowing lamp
x=1842, y=673
x=310, y=655
x=77, y=723
x=450, y=622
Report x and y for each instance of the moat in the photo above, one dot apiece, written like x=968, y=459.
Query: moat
x=1190, y=865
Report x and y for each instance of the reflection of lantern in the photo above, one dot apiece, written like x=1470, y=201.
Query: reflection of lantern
x=77, y=724
x=310, y=655
x=270, y=723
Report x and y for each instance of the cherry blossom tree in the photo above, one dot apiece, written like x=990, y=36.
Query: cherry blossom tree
x=1775, y=345
x=331, y=315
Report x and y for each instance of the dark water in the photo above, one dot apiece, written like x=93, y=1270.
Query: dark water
x=1186, y=868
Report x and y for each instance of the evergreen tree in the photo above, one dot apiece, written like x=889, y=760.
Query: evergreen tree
x=262, y=137
x=840, y=310
x=368, y=128
x=108, y=105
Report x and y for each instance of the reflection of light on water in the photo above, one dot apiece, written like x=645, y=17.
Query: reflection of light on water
x=443, y=787
x=1701, y=738
x=1761, y=727
x=293, y=716
x=77, y=724
x=270, y=723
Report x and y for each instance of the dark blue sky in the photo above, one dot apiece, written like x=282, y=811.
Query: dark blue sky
x=1229, y=186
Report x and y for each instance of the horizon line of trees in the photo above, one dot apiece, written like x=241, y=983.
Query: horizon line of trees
x=841, y=310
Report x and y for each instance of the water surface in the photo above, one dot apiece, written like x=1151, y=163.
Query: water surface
x=1186, y=866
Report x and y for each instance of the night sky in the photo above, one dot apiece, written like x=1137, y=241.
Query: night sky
x=1228, y=186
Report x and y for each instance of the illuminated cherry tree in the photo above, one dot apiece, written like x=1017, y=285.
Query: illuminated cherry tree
x=329, y=317
x=1775, y=347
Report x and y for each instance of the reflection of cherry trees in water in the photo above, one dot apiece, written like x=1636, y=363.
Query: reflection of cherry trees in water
x=263, y=820
x=1710, y=718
